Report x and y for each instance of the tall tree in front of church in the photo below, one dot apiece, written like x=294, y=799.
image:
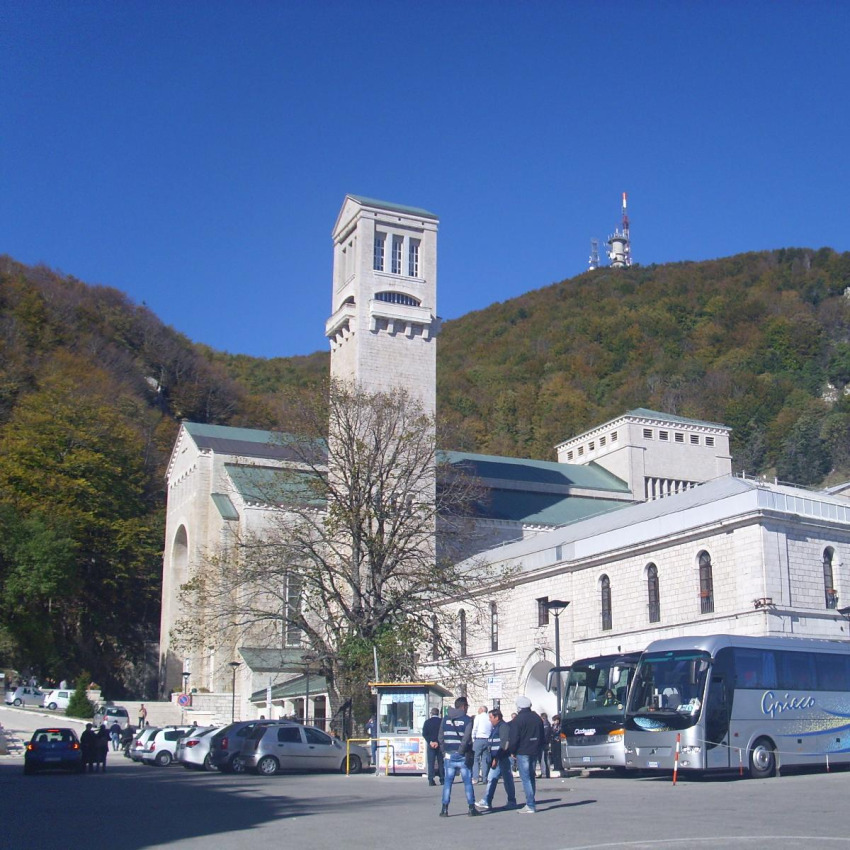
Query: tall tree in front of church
x=365, y=541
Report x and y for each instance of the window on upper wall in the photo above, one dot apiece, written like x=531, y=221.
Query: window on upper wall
x=494, y=627
x=694, y=439
x=602, y=441
x=706, y=584
x=709, y=441
x=605, y=592
x=647, y=433
x=542, y=611
x=652, y=596
x=462, y=625
x=293, y=610
x=679, y=437
x=830, y=592
x=378, y=254
x=395, y=265
x=664, y=436
x=614, y=437
x=397, y=298
x=413, y=258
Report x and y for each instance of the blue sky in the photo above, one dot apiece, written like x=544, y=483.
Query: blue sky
x=195, y=154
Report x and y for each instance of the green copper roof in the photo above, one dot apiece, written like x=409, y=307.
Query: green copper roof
x=386, y=205
x=544, y=508
x=669, y=417
x=272, y=485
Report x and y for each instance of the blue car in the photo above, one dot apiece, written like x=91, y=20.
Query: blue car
x=53, y=749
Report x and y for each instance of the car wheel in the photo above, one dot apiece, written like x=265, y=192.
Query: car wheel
x=762, y=759
x=237, y=765
x=267, y=766
x=53, y=706
x=163, y=759
x=207, y=763
x=17, y=701
x=354, y=765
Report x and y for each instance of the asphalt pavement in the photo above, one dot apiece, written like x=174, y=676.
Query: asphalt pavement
x=135, y=806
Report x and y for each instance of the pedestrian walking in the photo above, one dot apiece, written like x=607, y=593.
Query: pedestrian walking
x=526, y=735
x=456, y=744
x=500, y=762
x=143, y=716
x=431, y=734
x=115, y=735
x=481, y=728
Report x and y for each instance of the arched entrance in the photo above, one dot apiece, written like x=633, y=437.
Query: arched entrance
x=535, y=689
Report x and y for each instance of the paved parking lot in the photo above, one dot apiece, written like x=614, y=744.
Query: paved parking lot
x=135, y=806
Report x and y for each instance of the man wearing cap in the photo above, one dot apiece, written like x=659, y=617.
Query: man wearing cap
x=455, y=742
x=526, y=739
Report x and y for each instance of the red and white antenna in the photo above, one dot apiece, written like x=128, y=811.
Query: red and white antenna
x=619, y=243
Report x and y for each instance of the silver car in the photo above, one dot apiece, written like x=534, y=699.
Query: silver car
x=25, y=695
x=290, y=746
x=140, y=742
x=193, y=749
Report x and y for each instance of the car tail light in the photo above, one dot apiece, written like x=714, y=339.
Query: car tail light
x=31, y=747
x=75, y=745
x=192, y=743
x=152, y=747
x=224, y=743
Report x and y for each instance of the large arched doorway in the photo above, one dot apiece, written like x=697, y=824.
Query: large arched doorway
x=535, y=689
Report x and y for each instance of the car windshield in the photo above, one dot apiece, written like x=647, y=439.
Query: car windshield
x=670, y=683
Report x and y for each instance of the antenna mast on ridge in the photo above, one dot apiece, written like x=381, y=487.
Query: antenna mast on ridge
x=593, y=262
x=619, y=243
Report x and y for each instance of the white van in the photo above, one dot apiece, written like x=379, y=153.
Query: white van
x=57, y=699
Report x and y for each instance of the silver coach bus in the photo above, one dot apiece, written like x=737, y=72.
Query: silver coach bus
x=593, y=713
x=755, y=702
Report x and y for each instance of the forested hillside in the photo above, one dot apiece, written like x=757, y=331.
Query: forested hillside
x=92, y=387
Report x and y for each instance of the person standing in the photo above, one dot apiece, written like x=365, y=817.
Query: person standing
x=371, y=730
x=481, y=728
x=544, y=746
x=431, y=734
x=101, y=748
x=143, y=716
x=555, y=745
x=88, y=744
x=115, y=735
x=456, y=744
x=526, y=738
x=500, y=762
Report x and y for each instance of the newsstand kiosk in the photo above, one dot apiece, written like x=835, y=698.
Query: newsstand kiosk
x=402, y=709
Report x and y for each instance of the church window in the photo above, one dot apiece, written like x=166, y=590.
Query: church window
x=398, y=241
x=494, y=627
x=413, y=258
x=397, y=298
x=543, y=611
x=601, y=441
x=652, y=595
x=378, y=256
x=679, y=437
x=462, y=624
x=580, y=451
x=694, y=439
x=706, y=584
x=605, y=590
x=614, y=437
x=830, y=592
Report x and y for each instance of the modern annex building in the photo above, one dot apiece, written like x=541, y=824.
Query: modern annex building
x=639, y=524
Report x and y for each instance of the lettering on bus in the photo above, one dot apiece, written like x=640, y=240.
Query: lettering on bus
x=772, y=706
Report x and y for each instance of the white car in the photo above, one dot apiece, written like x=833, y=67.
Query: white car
x=161, y=747
x=25, y=695
x=193, y=749
x=54, y=700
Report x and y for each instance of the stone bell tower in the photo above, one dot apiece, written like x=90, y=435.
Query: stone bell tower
x=384, y=323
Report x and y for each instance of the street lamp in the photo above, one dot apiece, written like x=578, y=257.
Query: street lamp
x=556, y=607
x=234, y=666
x=185, y=681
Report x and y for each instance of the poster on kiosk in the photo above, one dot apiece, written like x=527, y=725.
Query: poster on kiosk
x=403, y=707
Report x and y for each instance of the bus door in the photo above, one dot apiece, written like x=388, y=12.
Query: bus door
x=717, y=711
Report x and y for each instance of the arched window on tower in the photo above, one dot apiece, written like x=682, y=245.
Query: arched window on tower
x=829, y=578
x=652, y=596
x=397, y=298
x=605, y=589
x=706, y=584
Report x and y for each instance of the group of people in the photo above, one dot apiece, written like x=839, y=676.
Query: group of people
x=95, y=745
x=488, y=748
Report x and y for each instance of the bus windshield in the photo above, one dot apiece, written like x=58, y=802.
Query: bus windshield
x=597, y=687
x=670, y=683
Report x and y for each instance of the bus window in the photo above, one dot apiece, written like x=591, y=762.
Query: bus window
x=833, y=672
x=754, y=668
x=796, y=671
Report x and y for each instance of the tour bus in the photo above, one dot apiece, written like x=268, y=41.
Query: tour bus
x=739, y=702
x=593, y=713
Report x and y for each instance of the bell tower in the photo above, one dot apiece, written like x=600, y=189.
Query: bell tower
x=384, y=324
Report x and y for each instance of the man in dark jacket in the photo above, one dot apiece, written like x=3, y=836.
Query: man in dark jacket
x=456, y=744
x=431, y=734
x=500, y=763
x=526, y=738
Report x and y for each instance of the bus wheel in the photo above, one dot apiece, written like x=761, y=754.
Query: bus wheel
x=762, y=759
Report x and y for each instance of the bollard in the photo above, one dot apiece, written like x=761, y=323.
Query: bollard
x=740, y=762
x=676, y=758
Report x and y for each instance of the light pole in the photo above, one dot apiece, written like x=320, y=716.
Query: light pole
x=183, y=696
x=557, y=607
x=234, y=666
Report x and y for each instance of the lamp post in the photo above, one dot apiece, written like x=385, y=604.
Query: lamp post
x=234, y=666
x=557, y=607
x=183, y=696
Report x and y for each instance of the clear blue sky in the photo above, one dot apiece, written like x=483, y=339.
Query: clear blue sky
x=195, y=154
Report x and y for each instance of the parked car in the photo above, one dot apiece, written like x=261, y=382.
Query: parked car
x=56, y=699
x=193, y=749
x=286, y=745
x=53, y=748
x=110, y=714
x=25, y=695
x=162, y=745
x=226, y=745
x=136, y=748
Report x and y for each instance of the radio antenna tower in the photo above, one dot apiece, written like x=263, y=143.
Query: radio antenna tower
x=593, y=262
x=619, y=243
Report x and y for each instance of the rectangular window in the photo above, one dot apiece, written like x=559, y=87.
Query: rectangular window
x=292, y=632
x=601, y=441
x=694, y=439
x=542, y=611
x=647, y=433
x=680, y=438
x=378, y=256
x=664, y=435
x=569, y=455
x=580, y=451
x=494, y=627
x=413, y=258
x=614, y=437
x=591, y=447
x=709, y=441
x=396, y=258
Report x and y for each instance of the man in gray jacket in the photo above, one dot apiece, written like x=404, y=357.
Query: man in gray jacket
x=456, y=743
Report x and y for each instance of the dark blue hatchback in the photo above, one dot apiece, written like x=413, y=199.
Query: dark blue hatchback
x=53, y=749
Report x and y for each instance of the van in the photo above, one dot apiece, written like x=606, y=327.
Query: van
x=109, y=714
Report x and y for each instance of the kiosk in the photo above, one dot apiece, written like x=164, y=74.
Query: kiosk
x=402, y=709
